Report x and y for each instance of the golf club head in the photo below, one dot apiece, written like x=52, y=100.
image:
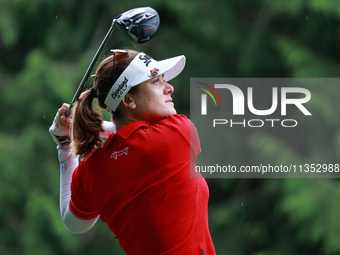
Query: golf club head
x=140, y=24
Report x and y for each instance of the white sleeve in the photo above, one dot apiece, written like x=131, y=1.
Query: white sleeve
x=68, y=163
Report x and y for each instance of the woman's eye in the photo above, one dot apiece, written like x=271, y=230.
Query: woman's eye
x=158, y=79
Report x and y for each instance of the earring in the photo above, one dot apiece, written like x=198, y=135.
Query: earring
x=133, y=106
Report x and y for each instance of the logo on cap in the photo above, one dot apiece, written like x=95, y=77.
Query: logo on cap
x=146, y=58
x=121, y=88
x=154, y=72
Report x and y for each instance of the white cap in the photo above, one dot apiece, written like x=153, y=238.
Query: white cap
x=142, y=68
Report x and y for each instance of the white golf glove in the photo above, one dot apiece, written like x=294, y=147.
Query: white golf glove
x=59, y=129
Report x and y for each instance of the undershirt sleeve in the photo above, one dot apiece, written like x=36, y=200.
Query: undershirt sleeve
x=68, y=163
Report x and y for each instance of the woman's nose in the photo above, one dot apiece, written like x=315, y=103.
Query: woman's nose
x=168, y=88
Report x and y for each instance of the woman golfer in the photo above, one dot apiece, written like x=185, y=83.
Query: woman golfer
x=139, y=180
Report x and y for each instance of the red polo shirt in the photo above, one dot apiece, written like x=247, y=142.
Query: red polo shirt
x=139, y=183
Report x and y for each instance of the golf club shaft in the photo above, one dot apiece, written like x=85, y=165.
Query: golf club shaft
x=89, y=69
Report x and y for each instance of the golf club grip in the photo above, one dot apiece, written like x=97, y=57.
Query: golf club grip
x=89, y=69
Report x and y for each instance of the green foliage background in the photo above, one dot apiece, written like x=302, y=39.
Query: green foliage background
x=45, y=48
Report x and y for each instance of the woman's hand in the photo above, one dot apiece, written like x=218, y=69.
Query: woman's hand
x=60, y=128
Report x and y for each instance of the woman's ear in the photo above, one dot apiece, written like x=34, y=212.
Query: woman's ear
x=128, y=101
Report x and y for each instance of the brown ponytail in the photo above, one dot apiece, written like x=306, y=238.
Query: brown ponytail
x=86, y=126
x=86, y=121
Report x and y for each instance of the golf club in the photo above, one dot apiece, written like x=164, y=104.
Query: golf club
x=139, y=24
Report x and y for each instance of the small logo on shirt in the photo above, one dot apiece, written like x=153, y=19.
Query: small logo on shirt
x=63, y=167
x=116, y=154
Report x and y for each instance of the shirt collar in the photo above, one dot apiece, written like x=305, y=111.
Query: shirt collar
x=127, y=130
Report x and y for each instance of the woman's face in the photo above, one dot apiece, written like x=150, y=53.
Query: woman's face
x=153, y=100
